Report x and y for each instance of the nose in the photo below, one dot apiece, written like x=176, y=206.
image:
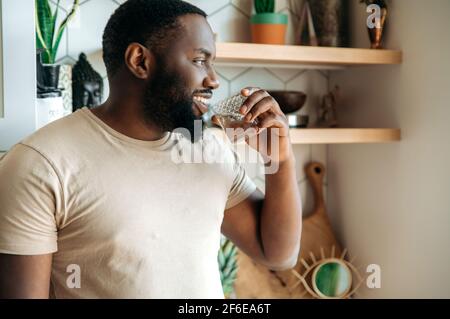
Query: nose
x=211, y=81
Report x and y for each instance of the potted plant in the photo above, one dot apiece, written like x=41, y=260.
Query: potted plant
x=376, y=29
x=267, y=26
x=48, y=38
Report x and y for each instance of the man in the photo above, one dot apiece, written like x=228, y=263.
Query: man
x=94, y=206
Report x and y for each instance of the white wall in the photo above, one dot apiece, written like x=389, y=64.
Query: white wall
x=1, y=63
x=18, y=78
x=390, y=202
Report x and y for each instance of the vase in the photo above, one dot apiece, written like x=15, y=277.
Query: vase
x=376, y=33
x=330, y=22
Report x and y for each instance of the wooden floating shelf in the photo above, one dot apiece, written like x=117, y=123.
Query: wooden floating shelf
x=344, y=135
x=295, y=56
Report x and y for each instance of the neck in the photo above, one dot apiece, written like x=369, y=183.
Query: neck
x=126, y=117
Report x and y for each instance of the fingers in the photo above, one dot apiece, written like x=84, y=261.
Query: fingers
x=252, y=100
x=247, y=91
x=270, y=121
x=263, y=106
x=258, y=103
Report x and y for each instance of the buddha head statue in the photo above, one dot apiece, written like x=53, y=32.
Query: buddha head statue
x=87, y=85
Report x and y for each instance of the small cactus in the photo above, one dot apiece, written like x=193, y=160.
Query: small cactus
x=265, y=6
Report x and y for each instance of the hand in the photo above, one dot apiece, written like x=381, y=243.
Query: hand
x=271, y=124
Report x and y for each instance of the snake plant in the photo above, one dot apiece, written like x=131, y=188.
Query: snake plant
x=227, y=265
x=48, y=37
x=264, y=6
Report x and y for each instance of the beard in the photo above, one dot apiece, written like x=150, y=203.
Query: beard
x=168, y=104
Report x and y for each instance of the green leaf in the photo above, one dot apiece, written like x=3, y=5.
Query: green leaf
x=40, y=42
x=227, y=271
x=44, y=21
x=271, y=7
x=226, y=250
x=227, y=265
x=221, y=258
x=233, y=273
x=233, y=250
x=264, y=6
x=258, y=6
x=46, y=35
x=62, y=27
x=54, y=18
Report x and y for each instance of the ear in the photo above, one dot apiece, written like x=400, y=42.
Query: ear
x=139, y=60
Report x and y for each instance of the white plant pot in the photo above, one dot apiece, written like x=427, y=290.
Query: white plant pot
x=49, y=109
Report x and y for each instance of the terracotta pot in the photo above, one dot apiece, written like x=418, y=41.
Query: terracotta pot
x=269, y=28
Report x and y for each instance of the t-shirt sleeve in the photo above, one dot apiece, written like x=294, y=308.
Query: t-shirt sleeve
x=242, y=185
x=30, y=195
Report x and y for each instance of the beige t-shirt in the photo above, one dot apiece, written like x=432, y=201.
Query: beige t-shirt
x=124, y=218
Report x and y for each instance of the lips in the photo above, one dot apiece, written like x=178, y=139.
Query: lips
x=201, y=103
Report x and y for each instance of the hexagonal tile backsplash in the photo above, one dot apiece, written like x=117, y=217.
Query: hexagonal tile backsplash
x=230, y=20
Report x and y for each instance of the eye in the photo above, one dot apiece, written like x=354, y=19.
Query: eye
x=200, y=62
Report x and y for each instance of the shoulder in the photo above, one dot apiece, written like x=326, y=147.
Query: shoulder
x=63, y=140
x=58, y=133
x=23, y=166
x=57, y=144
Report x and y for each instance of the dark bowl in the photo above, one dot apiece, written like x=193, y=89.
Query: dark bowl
x=289, y=101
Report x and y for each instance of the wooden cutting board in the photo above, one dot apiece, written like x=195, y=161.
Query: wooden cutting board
x=257, y=281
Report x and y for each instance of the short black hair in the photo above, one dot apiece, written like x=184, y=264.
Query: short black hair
x=149, y=22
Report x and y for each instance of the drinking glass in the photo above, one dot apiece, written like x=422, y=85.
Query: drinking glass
x=228, y=115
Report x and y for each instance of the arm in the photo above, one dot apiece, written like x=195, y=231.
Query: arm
x=30, y=195
x=25, y=276
x=269, y=229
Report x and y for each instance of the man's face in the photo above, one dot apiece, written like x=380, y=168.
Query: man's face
x=183, y=79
